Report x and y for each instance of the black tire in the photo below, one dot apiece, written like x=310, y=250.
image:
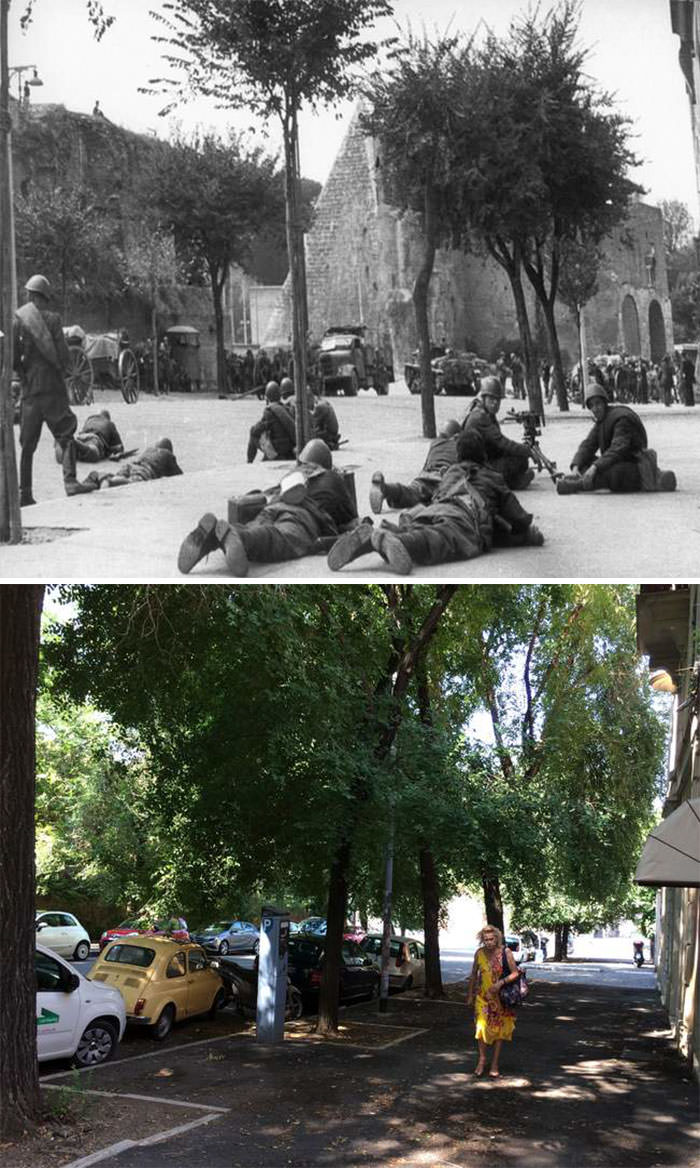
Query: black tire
x=97, y=1044
x=352, y=385
x=223, y=949
x=82, y=951
x=374, y=991
x=128, y=376
x=408, y=984
x=161, y=1029
x=219, y=1002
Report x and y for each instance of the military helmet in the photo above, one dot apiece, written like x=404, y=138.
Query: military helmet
x=470, y=446
x=272, y=391
x=317, y=452
x=164, y=444
x=286, y=386
x=490, y=387
x=593, y=389
x=451, y=427
x=39, y=284
x=106, y=414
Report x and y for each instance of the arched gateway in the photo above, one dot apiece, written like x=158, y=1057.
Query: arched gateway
x=657, y=331
x=630, y=327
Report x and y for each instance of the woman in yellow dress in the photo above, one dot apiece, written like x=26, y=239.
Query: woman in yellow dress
x=494, y=1022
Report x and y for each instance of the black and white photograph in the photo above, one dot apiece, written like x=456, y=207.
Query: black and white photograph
x=349, y=290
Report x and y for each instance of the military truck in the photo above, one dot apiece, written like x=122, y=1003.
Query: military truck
x=347, y=363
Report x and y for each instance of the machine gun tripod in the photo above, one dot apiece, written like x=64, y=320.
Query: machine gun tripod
x=532, y=430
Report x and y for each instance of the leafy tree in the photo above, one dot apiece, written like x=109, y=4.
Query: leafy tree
x=20, y=613
x=412, y=115
x=678, y=225
x=271, y=58
x=65, y=235
x=530, y=110
x=214, y=196
x=579, y=264
x=685, y=301
x=149, y=265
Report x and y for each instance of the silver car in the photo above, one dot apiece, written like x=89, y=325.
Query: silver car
x=229, y=937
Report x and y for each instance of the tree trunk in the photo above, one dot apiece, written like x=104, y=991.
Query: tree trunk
x=20, y=619
x=421, y=290
x=10, y=516
x=512, y=265
x=492, y=899
x=154, y=345
x=555, y=351
x=431, y=923
x=297, y=271
x=217, y=287
x=561, y=940
x=335, y=919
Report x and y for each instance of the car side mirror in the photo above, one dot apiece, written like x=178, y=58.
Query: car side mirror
x=40, y=925
x=71, y=983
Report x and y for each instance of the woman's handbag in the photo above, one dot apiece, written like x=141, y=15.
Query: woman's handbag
x=513, y=993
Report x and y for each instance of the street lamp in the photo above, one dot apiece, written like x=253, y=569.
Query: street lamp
x=20, y=70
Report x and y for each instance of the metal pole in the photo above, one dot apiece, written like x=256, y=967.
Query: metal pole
x=10, y=517
x=386, y=928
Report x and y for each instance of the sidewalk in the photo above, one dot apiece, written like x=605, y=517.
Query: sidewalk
x=133, y=533
x=589, y=1081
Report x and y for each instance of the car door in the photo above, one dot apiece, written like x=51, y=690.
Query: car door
x=200, y=990
x=354, y=979
x=57, y=1012
x=417, y=956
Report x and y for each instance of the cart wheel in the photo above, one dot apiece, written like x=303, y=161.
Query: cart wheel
x=79, y=377
x=129, y=376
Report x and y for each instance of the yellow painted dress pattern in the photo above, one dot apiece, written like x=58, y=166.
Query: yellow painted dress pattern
x=493, y=1020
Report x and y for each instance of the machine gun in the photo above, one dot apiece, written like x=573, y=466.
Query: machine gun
x=532, y=430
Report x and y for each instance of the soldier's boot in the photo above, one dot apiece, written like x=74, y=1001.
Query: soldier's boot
x=348, y=547
x=70, y=481
x=26, y=499
x=377, y=492
x=534, y=537
x=198, y=544
x=232, y=546
x=663, y=480
x=523, y=480
x=392, y=550
x=570, y=485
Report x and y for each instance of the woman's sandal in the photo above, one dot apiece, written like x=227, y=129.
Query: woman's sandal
x=494, y=1074
x=478, y=1071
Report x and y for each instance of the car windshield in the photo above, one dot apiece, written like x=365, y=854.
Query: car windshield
x=299, y=947
x=130, y=955
x=219, y=927
x=338, y=341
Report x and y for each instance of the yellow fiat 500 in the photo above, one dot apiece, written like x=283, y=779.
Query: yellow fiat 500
x=162, y=981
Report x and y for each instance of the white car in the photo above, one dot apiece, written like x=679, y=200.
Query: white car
x=406, y=960
x=75, y=1018
x=63, y=933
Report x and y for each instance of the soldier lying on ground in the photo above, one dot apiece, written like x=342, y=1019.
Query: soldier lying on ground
x=442, y=453
x=156, y=462
x=98, y=439
x=625, y=463
x=502, y=454
x=274, y=434
x=317, y=507
x=472, y=510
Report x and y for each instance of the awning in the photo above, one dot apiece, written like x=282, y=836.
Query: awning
x=671, y=856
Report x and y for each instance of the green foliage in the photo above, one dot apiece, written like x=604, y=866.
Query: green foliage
x=97, y=16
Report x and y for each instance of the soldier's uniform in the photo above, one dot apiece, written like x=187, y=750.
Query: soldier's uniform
x=98, y=439
x=442, y=453
x=509, y=458
x=274, y=432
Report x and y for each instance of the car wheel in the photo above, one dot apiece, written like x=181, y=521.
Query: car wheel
x=374, y=990
x=97, y=1044
x=408, y=984
x=219, y=1002
x=256, y=948
x=161, y=1029
x=82, y=951
x=223, y=948
x=352, y=385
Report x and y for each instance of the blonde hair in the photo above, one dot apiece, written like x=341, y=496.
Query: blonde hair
x=490, y=929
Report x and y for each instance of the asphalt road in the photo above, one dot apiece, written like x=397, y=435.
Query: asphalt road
x=133, y=533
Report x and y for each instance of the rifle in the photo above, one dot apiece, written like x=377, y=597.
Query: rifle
x=531, y=425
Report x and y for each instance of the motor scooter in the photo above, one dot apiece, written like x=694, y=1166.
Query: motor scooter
x=242, y=982
x=638, y=958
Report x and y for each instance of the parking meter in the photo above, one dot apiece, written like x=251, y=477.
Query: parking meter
x=272, y=974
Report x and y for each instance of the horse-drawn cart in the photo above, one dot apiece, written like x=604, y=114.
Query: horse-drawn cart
x=103, y=360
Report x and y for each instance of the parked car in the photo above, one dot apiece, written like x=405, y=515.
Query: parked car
x=74, y=1018
x=358, y=975
x=175, y=927
x=162, y=981
x=63, y=933
x=313, y=925
x=229, y=937
x=406, y=959
x=515, y=945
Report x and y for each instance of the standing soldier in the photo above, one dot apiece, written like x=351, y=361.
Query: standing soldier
x=41, y=359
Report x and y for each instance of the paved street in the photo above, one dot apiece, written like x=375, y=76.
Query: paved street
x=134, y=533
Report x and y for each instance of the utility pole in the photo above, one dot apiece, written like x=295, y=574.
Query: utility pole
x=10, y=517
x=386, y=927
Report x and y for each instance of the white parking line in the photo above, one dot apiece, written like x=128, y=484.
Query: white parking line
x=149, y=1054
x=123, y=1145
x=141, y=1098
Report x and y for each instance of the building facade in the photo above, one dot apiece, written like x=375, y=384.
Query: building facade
x=685, y=22
x=363, y=255
x=668, y=632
